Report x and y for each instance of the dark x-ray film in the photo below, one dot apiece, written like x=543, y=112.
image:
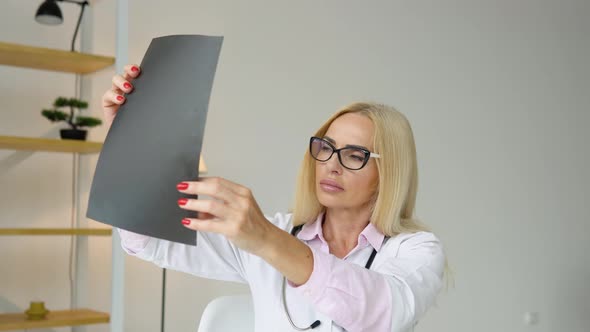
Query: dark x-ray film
x=155, y=140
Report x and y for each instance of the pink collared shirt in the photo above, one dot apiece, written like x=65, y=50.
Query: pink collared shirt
x=331, y=286
x=404, y=279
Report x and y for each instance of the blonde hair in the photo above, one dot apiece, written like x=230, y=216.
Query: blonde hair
x=395, y=199
x=398, y=172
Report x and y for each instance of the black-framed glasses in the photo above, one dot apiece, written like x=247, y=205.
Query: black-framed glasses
x=350, y=157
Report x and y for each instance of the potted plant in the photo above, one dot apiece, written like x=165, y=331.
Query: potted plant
x=55, y=115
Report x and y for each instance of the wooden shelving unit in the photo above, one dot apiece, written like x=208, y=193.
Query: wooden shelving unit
x=51, y=145
x=57, y=231
x=48, y=145
x=50, y=59
x=66, y=62
x=18, y=321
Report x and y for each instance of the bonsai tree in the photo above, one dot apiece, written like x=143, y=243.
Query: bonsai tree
x=55, y=115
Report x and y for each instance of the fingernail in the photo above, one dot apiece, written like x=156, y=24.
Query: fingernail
x=186, y=221
x=127, y=85
x=120, y=98
x=134, y=69
x=182, y=186
x=182, y=201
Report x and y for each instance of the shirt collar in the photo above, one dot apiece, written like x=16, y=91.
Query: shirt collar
x=370, y=234
x=373, y=235
x=311, y=230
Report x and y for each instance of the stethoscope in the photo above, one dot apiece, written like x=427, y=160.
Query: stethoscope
x=317, y=323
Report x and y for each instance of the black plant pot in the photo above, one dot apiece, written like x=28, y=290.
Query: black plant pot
x=78, y=134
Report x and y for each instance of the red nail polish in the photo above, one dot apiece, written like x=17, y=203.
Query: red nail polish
x=182, y=186
x=182, y=201
x=127, y=85
x=120, y=98
x=134, y=69
x=186, y=221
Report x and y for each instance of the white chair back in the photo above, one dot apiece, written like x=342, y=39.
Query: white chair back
x=228, y=314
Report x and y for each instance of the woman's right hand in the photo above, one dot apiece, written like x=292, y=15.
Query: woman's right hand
x=114, y=97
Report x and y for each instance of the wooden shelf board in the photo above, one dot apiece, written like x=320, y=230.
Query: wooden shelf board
x=18, y=321
x=48, y=144
x=50, y=59
x=57, y=231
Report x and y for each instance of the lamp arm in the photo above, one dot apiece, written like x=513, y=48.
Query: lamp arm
x=83, y=4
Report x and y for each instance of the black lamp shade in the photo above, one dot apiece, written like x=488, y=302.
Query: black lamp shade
x=49, y=13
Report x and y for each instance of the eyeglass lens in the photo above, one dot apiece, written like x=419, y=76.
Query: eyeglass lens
x=350, y=157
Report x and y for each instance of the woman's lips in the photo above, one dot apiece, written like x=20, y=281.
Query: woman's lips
x=330, y=186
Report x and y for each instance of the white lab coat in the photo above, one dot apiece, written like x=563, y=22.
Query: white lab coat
x=414, y=283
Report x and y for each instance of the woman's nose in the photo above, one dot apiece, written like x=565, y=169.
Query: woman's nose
x=333, y=164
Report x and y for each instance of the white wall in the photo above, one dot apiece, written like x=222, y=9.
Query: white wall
x=496, y=91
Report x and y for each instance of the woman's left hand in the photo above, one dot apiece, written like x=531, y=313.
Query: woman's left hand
x=233, y=212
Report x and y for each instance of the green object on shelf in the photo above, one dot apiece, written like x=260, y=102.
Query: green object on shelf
x=36, y=311
x=74, y=121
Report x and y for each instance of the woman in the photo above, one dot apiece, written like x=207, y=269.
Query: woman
x=350, y=257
